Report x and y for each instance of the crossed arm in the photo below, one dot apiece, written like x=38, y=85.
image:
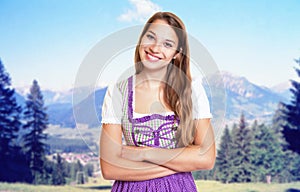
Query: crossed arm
x=142, y=163
x=115, y=167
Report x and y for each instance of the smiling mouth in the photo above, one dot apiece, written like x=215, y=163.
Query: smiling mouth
x=151, y=57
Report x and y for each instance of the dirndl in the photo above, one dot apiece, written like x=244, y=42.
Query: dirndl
x=178, y=182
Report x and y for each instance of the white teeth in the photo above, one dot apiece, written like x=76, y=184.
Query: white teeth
x=151, y=57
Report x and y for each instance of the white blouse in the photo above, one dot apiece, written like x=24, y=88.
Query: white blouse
x=112, y=105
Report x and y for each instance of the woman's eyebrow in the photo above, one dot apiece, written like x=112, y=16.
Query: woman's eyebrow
x=171, y=41
x=152, y=32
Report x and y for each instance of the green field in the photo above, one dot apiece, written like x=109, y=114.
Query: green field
x=203, y=186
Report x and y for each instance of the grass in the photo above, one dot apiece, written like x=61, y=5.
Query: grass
x=203, y=186
x=92, y=186
x=212, y=186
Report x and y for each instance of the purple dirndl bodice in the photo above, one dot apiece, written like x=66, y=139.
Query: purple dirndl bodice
x=153, y=130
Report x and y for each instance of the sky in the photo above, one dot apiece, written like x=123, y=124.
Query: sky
x=48, y=40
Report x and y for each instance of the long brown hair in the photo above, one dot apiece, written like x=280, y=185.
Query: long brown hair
x=178, y=91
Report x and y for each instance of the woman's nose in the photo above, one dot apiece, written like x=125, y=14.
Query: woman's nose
x=155, y=47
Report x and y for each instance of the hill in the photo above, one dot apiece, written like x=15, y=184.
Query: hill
x=256, y=102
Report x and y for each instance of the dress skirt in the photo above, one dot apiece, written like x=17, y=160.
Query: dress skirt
x=179, y=182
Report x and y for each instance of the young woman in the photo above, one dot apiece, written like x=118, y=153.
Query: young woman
x=163, y=117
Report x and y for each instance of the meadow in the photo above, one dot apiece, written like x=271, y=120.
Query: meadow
x=203, y=186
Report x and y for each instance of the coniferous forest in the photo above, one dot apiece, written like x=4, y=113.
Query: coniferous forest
x=260, y=152
x=248, y=152
x=23, y=147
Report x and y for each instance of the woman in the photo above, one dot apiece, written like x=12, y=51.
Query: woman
x=163, y=117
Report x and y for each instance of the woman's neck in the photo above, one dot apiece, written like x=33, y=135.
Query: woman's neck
x=150, y=79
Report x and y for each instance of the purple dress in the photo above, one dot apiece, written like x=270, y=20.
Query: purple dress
x=154, y=130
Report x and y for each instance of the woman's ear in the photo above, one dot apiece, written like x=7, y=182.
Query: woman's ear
x=178, y=53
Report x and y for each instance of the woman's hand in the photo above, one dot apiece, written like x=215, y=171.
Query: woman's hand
x=134, y=153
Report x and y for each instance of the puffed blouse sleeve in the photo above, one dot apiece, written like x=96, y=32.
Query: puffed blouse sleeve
x=112, y=106
x=201, y=107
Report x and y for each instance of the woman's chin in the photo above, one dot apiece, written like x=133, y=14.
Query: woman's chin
x=153, y=66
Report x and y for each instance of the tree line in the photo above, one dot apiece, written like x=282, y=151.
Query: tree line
x=261, y=152
x=23, y=146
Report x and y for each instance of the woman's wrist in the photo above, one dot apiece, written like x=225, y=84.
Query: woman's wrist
x=148, y=154
x=145, y=154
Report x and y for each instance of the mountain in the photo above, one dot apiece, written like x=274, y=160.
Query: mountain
x=85, y=111
x=59, y=114
x=242, y=96
x=61, y=109
x=50, y=96
x=20, y=99
x=54, y=97
x=88, y=111
x=283, y=89
x=57, y=103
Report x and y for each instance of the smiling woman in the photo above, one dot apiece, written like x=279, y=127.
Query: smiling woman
x=158, y=45
x=163, y=116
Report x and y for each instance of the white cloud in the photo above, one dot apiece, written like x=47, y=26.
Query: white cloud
x=141, y=11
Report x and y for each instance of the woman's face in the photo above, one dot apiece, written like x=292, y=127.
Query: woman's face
x=158, y=45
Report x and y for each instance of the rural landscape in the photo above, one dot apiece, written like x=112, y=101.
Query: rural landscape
x=58, y=58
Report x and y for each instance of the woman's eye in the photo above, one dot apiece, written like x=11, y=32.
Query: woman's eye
x=150, y=36
x=168, y=45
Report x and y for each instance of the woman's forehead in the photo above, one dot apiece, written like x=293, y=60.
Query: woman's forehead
x=162, y=28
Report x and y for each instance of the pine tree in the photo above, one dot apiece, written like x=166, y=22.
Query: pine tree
x=205, y=174
x=291, y=160
x=58, y=176
x=34, y=138
x=279, y=121
x=224, y=158
x=241, y=147
x=88, y=170
x=255, y=136
x=291, y=130
x=267, y=154
x=9, y=127
x=72, y=170
x=80, y=176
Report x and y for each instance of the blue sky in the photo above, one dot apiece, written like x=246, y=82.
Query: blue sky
x=48, y=39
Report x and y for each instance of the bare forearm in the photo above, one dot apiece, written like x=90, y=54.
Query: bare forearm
x=190, y=158
x=127, y=170
x=114, y=167
x=199, y=156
